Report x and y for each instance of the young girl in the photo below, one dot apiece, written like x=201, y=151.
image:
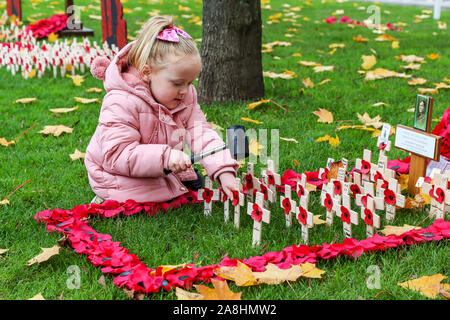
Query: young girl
x=149, y=112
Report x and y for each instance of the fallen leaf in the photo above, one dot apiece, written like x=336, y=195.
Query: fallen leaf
x=379, y=104
x=309, y=63
x=441, y=85
x=37, y=297
x=444, y=291
x=397, y=230
x=97, y=90
x=77, y=155
x=428, y=286
x=428, y=90
x=308, y=83
x=323, y=68
x=102, y=281
x=46, y=254
x=5, y=142
x=56, y=130
x=186, y=295
x=433, y=56
x=285, y=75
x=395, y=44
x=275, y=275
x=3, y=251
x=359, y=38
x=334, y=142
x=410, y=58
x=385, y=37
x=250, y=120
x=324, y=115
x=310, y=271
x=368, y=62
x=241, y=274
x=317, y=220
x=77, y=79
x=4, y=202
x=86, y=101
x=412, y=66
x=255, y=104
x=254, y=146
x=336, y=45
x=289, y=139
x=373, y=122
x=381, y=73
x=323, y=82
x=221, y=291
x=25, y=100
x=52, y=37
x=64, y=110
x=416, y=81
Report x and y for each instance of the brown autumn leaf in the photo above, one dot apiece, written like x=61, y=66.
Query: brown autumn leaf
x=397, y=230
x=46, y=254
x=6, y=143
x=97, y=90
x=25, y=100
x=428, y=286
x=241, y=274
x=77, y=155
x=334, y=168
x=86, y=101
x=323, y=68
x=133, y=295
x=64, y=110
x=275, y=275
x=410, y=58
x=3, y=251
x=359, y=38
x=186, y=295
x=428, y=90
x=416, y=81
x=56, y=130
x=221, y=291
x=444, y=291
x=308, y=83
x=368, y=121
x=324, y=115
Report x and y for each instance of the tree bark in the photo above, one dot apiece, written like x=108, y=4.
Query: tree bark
x=231, y=51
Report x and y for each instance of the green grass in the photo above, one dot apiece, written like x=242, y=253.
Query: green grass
x=177, y=236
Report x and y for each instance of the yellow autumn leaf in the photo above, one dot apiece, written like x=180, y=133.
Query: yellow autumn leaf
x=316, y=218
x=285, y=75
x=323, y=82
x=251, y=120
x=410, y=58
x=395, y=44
x=359, y=38
x=416, y=81
x=385, y=37
x=334, y=142
x=6, y=143
x=397, y=230
x=37, y=297
x=428, y=286
x=56, y=130
x=441, y=85
x=368, y=121
x=381, y=73
x=4, y=202
x=64, y=110
x=275, y=275
x=32, y=74
x=433, y=56
x=308, y=83
x=323, y=68
x=368, y=61
x=308, y=63
x=221, y=291
x=52, y=37
x=97, y=90
x=324, y=115
x=254, y=146
x=310, y=271
x=379, y=104
x=241, y=274
x=412, y=66
x=77, y=155
x=25, y=100
x=77, y=79
x=428, y=90
x=255, y=104
x=46, y=254
x=86, y=101
x=3, y=251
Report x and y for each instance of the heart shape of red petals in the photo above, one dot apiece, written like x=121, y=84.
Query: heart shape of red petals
x=256, y=213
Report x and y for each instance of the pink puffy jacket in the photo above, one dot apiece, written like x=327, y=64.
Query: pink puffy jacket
x=131, y=144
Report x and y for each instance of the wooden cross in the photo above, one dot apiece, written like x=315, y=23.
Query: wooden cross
x=347, y=216
x=369, y=216
x=421, y=144
x=306, y=219
x=365, y=165
x=326, y=200
x=248, y=180
x=361, y=199
x=268, y=195
x=288, y=204
x=301, y=188
x=238, y=201
x=208, y=194
x=226, y=205
x=259, y=215
x=393, y=198
x=440, y=195
x=273, y=178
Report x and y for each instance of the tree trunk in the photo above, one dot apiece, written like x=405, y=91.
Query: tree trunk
x=231, y=51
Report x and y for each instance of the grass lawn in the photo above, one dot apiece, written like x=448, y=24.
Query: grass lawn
x=177, y=236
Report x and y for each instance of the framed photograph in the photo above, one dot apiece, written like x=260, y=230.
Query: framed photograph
x=423, y=112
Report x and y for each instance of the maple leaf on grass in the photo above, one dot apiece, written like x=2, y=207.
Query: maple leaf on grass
x=428, y=286
x=221, y=291
x=368, y=62
x=397, y=230
x=6, y=143
x=77, y=155
x=251, y=120
x=324, y=115
x=373, y=122
x=3, y=251
x=416, y=81
x=77, y=79
x=63, y=110
x=46, y=254
x=86, y=101
x=37, y=297
x=241, y=274
x=275, y=275
x=334, y=142
x=56, y=130
x=25, y=100
x=254, y=146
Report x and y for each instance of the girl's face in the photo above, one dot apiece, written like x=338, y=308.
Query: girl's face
x=170, y=84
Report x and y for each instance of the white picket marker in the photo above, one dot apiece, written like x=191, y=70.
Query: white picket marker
x=347, y=216
x=393, y=198
x=288, y=204
x=370, y=218
x=306, y=219
x=208, y=194
x=259, y=215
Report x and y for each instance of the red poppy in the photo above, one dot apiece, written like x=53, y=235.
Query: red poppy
x=324, y=174
x=382, y=146
x=263, y=190
x=389, y=197
x=302, y=215
x=286, y=205
x=207, y=194
x=345, y=215
x=365, y=167
x=256, y=213
x=328, y=202
x=235, y=197
x=300, y=191
x=337, y=187
x=271, y=179
x=368, y=217
x=224, y=196
x=440, y=195
x=249, y=181
x=364, y=200
x=378, y=176
x=354, y=188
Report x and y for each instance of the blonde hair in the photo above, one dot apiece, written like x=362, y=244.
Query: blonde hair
x=147, y=49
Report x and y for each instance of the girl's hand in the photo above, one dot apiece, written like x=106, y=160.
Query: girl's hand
x=228, y=183
x=178, y=161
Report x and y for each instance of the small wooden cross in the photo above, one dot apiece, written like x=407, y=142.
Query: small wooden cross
x=301, y=188
x=361, y=199
x=440, y=195
x=327, y=201
x=273, y=178
x=208, y=194
x=259, y=215
x=393, y=198
x=365, y=166
x=263, y=188
x=347, y=216
x=226, y=205
x=305, y=218
x=248, y=180
x=383, y=142
x=238, y=201
x=288, y=204
x=370, y=218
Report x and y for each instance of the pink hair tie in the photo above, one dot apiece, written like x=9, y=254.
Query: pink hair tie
x=171, y=34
